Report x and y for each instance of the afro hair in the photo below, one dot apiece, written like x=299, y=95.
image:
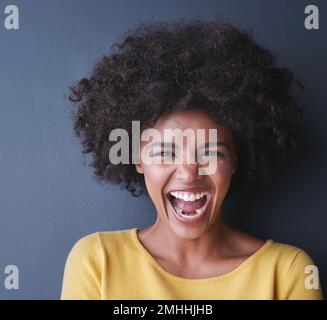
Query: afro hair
x=174, y=65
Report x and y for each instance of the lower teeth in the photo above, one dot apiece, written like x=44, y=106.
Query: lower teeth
x=180, y=212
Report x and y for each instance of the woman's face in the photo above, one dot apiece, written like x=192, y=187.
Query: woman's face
x=186, y=193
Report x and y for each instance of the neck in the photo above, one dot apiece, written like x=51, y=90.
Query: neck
x=190, y=248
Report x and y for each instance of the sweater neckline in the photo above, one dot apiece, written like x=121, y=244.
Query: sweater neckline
x=235, y=271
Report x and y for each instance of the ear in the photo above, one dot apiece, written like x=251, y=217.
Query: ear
x=139, y=168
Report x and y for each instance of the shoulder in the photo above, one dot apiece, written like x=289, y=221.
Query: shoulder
x=296, y=272
x=289, y=254
x=114, y=235
x=83, y=255
x=83, y=268
x=286, y=258
x=90, y=248
x=91, y=244
x=82, y=274
x=283, y=258
x=86, y=243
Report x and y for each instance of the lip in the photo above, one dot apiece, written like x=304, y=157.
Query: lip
x=198, y=218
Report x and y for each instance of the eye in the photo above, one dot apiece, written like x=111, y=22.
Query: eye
x=164, y=154
x=209, y=153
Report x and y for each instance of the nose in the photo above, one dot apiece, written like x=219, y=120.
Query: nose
x=187, y=172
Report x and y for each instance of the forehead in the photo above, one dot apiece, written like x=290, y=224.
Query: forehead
x=190, y=119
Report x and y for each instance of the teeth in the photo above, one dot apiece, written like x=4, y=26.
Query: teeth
x=188, y=196
x=180, y=212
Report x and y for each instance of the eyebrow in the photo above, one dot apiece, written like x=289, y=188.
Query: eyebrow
x=206, y=145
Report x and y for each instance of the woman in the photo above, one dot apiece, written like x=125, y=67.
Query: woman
x=179, y=77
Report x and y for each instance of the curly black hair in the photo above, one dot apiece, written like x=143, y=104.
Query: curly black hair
x=160, y=66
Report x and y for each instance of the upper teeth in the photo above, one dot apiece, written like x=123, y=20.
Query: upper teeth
x=188, y=196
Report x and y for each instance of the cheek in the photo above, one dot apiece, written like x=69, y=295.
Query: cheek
x=154, y=175
x=222, y=176
x=155, y=178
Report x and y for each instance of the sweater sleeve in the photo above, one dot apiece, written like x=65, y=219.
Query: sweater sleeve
x=302, y=279
x=82, y=277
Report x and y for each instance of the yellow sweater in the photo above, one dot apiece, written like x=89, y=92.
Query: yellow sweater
x=115, y=265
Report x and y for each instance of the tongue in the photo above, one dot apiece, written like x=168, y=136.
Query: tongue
x=190, y=206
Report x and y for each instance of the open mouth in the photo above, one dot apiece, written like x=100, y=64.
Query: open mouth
x=188, y=206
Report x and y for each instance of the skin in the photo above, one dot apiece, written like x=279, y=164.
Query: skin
x=210, y=247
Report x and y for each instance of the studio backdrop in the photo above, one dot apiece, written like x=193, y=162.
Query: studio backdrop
x=49, y=197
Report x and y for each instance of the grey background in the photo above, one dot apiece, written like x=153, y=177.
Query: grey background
x=48, y=195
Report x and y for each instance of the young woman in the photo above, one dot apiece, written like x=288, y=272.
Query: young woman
x=187, y=76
